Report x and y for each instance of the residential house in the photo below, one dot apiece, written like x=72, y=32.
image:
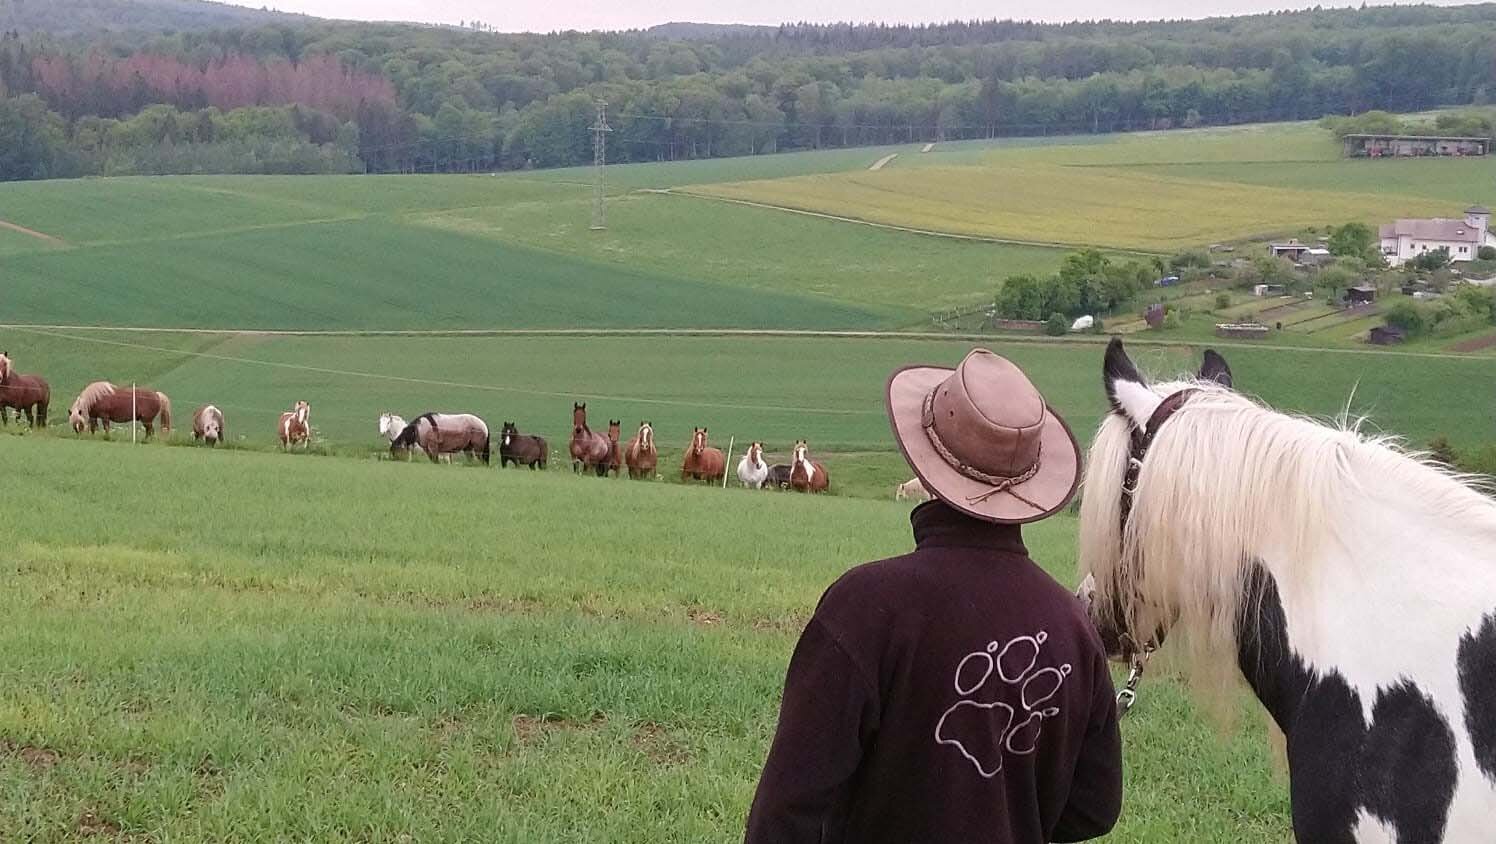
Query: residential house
x=1407, y=239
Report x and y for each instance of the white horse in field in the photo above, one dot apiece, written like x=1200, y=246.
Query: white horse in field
x=390, y=426
x=752, y=470
x=1352, y=586
x=911, y=490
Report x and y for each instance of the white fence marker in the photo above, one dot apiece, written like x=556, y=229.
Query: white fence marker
x=728, y=462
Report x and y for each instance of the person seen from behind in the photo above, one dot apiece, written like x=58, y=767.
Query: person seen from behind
x=956, y=693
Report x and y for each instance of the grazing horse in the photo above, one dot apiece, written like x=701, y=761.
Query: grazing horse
x=103, y=402
x=615, y=451
x=807, y=475
x=390, y=425
x=1351, y=585
x=589, y=451
x=779, y=476
x=752, y=470
x=28, y=394
x=296, y=427
x=522, y=449
x=445, y=433
x=207, y=425
x=640, y=455
x=911, y=490
x=702, y=462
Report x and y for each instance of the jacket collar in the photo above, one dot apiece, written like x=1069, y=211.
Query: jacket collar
x=937, y=525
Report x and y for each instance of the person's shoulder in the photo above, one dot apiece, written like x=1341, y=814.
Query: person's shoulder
x=863, y=583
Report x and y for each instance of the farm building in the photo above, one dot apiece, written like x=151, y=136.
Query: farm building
x=1242, y=330
x=1292, y=250
x=1407, y=239
x=1386, y=335
x=1361, y=294
x=1383, y=146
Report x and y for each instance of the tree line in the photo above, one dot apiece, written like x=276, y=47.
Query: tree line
x=440, y=98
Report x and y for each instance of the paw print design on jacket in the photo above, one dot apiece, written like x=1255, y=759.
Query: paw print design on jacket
x=987, y=722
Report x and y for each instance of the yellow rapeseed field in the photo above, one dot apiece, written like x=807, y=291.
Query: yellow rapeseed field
x=1119, y=208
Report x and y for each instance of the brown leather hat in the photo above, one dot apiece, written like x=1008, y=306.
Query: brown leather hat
x=983, y=440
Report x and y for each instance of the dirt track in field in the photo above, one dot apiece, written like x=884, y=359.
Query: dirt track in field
x=33, y=233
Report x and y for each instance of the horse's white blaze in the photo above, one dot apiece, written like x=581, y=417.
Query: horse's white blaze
x=802, y=457
x=1381, y=562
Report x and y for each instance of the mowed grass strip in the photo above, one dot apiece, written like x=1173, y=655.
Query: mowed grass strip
x=261, y=647
x=1072, y=206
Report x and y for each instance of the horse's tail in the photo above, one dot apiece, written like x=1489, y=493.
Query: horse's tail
x=487, y=449
x=165, y=413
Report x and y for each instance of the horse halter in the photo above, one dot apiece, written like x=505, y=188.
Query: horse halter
x=1142, y=440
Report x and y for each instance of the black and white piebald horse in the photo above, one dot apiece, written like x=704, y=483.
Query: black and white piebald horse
x=1352, y=586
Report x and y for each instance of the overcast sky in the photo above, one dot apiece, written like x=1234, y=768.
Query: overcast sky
x=543, y=16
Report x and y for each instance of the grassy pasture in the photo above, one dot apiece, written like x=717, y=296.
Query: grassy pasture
x=249, y=647
x=772, y=389
x=1459, y=182
x=1075, y=206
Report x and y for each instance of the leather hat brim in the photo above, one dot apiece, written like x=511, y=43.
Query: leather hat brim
x=1051, y=488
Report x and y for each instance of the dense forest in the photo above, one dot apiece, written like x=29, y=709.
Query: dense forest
x=111, y=92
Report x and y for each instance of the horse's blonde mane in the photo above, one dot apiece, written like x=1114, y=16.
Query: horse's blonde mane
x=1227, y=479
x=91, y=394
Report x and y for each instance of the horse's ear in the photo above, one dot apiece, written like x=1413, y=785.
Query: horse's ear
x=1125, y=388
x=1215, y=368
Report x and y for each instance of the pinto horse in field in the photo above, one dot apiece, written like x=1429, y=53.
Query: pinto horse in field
x=28, y=394
x=207, y=425
x=615, y=450
x=806, y=475
x=103, y=403
x=589, y=451
x=1351, y=585
x=640, y=455
x=445, y=433
x=522, y=449
x=296, y=427
x=752, y=470
x=702, y=462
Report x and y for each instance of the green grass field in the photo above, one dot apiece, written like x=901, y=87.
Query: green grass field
x=232, y=646
x=243, y=645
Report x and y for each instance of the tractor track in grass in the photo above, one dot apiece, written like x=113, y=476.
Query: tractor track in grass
x=42, y=236
x=747, y=333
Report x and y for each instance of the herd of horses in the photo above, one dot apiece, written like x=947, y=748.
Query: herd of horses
x=438, y=435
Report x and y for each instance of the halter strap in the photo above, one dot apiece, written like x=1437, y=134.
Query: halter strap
x=1142, y=440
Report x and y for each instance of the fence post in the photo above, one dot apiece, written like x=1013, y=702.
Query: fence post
x=132, y=413
x=728, y=461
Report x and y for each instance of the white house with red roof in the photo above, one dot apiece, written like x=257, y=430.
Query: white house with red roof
x=1405, y=240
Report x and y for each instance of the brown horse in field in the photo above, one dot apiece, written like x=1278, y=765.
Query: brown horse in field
x=296, y=426
x=702, y=462
x=28, y=394
x=589, y=451
x=522, y=449
x=807, y=475
x=103, y=402
x=641, y=456
x=207, y=425
x=615, y=450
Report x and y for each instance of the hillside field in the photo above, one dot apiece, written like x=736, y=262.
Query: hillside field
x=514, y=251
x=212, y=646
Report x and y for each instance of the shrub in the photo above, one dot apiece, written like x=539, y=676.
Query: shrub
x=1057, y=325
x=1096, y=326
x=1440, y=450
x=1486, y=253
x=1223, y=301
x=1172, y=320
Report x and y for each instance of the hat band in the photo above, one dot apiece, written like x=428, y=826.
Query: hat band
x=999, y=483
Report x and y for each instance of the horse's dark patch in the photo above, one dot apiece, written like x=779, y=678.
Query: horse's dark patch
x=1476, y=662
x=1117, y=366
x=1214, y=368
x=1408, y=767
x=1404, y=762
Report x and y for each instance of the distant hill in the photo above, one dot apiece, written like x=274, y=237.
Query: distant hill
x=87, y=17
x=687, y=31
